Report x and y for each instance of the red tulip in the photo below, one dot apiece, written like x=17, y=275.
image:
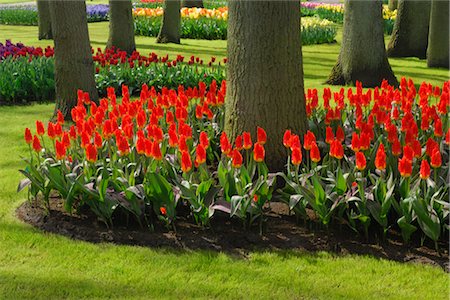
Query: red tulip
x=259, y=152
x=408, y=152
x=186, y=163
x=28, y=136
x=261, y=136
x=236, y=159
x=203, y=139
x=163, y=210
x=438, y=127
x=436, y=159
x=405, y=167
x=309, y=138
x=200, y=155
x=329, y=136
x=40, y=130
x=225, y=145
x=447, y=137
x=296, y=156
x=424, y=170
x=239, y=143
x=340, y=135
x=60, y=117
x=247, y=140
x=91, y=153
x=287, y=139
x=380, y=158
x=314, y=153
x=156, y=151
x=60, y=150
x=336, y=149
x=356, y=145
x=396, y=148
x=36, y=144
x=360, y=161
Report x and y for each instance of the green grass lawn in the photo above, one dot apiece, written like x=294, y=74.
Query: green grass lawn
x=39, y=265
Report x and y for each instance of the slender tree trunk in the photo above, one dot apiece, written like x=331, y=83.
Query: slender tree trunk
x=171, y=25
x=362, y=56
x=74, y=68
x=192, y=3
x=121, y=26
x=265, y=74
x=392, y=4
x=438, y=39
x=410, y=35
x=44, y=21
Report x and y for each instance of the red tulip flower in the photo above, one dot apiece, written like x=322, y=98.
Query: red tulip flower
x=186, y=163
x=314, y=153
x=296, y=156
x=438, y=132
x=336, y=149
x=424, y=170
x=259, y=153
x=380, y=158
x=28, y=136
x=340, y=135
x=436, y=159
x=309, y=138
x=261, y=136
x=91, y=153
x=225, y=145
x=405, y=167
x=203, y=139
x=163, y=210
x=287, y=138
x=60, y=150
x=239, y=143
x=360, y=161
x=40, y=130
x=356, y=145
x=200, y=157
x=36, y=144
x=329, y=136
x=247, y=140
x=236, y=159
x=156, y=151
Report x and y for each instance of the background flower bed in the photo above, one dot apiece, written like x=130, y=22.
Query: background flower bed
x=27, y=73
x=373, y=162
x=27, y=14
x=314, y=30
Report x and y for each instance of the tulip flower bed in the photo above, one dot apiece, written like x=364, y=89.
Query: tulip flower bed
x=27, y=14
x=373, y=160
x=27, y=73
x=335, y=13
x=195, y=26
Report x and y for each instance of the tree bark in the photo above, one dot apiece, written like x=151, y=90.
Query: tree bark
x=265, y=73
x=171, y=25
x=44, y=21
x=74, y=68
x=392, y=5
x=438, y=39
x=192, y=3
x=410, y=35
x=121, y=26
x=362, y=56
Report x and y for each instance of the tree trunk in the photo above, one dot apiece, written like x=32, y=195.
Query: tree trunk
x=44, y=22
x=410, y=35
x=265, y=75
x=392, y=5
x=121, y=26
x=438, y=39
x=192, y=3
x=362, y=56
x=171, y=25
x=74, y=68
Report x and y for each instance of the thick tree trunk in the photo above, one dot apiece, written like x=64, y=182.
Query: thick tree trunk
x=265, y=75
x=392, y=4
x=410, y=35
x=121, y=26
x=192, y=3
x=44, y=21
x=74, y=68
x=438, y=40
x=362, y=56
x=171, y=25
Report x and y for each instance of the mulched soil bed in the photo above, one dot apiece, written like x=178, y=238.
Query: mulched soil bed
x=227, y=235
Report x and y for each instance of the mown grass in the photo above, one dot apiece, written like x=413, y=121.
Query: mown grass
x=38, y=265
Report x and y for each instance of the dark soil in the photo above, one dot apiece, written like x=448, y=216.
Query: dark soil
x=227, y=235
